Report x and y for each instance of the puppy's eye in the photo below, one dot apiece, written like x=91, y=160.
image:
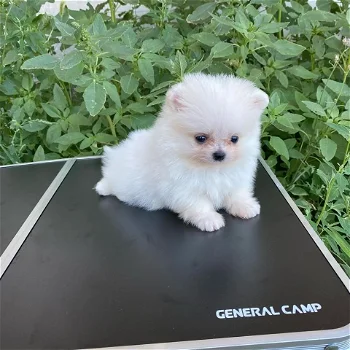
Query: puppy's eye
x=201, y=138
x=234, y=139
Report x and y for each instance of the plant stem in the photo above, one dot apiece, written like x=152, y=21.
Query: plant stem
x=280, y=18
x=66, y=93
x=329, y=189
x=111, y=126
x=112, y=9
x=312, y=62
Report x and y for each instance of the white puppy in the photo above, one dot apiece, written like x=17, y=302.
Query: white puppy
x=200, y=156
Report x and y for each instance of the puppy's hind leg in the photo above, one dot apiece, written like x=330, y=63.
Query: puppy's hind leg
x=102, y=188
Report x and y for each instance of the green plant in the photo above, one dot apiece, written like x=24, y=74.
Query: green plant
x=72, y=83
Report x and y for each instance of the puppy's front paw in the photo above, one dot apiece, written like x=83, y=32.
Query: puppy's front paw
x=245, y=208
x=209, y=222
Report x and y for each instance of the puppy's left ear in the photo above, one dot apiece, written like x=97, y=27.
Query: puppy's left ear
x=260, y=100
x=174, y=98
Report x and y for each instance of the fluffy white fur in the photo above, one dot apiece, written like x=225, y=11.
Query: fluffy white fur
x=165, y=167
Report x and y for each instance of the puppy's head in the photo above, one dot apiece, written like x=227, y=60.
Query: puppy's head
x=214, y=120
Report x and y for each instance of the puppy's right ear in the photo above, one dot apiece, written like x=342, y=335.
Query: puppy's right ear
x=173, y=98
x=260, y=100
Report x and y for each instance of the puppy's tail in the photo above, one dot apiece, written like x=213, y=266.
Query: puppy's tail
x=102, y=188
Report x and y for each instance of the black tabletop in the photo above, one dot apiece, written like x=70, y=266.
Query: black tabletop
x=20, y=189
x=96, y=273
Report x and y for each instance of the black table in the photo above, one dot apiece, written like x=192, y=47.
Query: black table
x=94, y=272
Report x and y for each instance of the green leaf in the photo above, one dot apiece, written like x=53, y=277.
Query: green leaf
x=10, y=57
x=112, y=92
x=294, y=153
x=339, y=88
x=27, y=82
x=180, y=64
x=222, y=49
x=205, y=38
x=315, y=108
x=139, y=107
x=318, y=15
x=201, y=12
x=319, y=46
x=302, y=72
x=45, y=61
x=163, y=85
x=343, y=244
x=229, y=22
x=86, y=143
x=157, y=101
x=160, y=61
x=64, y=28
x=51, y=110
x=18, y=115
x=298, y=191
x=98, y=25
x=348, y=16
x=9, y=88
x=273, y=27
x=297, y=7
x=288, y=48
x=39, y=154
x=275, y=100
x=341, y=129
x=280, y=108
x=59, y=98
x=129, y=37
x=294, y=118
x=97, y=126
x=328, y=148
x=71, y=74
x=110, y=64
x=152, y=45
x=120, y=51
x=324, y=5
x=279, y=146
x=71, y=59
x=82, y=81
x=345, y=223
x=129, y=84
x=95, y=98
x=241, y=19
x=201, y=65
x=105, y=138
x=78, y=119
x=34, y=126
x=29, y=107
x=71, y=138
x=146, y=70
x=282, y=119
x=282, y=78
x=53, y=133
x=172, y=37
x=142, y=121
x=323, y=98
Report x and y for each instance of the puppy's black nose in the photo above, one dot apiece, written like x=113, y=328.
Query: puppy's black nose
x=219, y=156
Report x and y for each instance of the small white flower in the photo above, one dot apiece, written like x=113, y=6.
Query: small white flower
x=336, y=58
x=346, y=41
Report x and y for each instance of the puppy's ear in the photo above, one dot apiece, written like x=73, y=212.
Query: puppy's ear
x=260, y=100
x=173, y=97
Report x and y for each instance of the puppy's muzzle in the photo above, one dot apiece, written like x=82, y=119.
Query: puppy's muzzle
x=219, y=156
